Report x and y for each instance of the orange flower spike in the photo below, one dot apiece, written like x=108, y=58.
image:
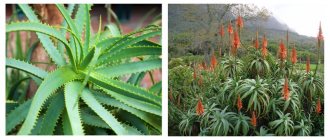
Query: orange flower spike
x=282, y=52
x=257, y=41
x=320, y=35
x=286, y=92
x=222, y=30
x=239, y=22
x=294, y=56
x=308, y=65
x=239, y=103
x=264, y=41
x=230, y=28
x=264, y=45
x=236, y=40
x=213, y=61
x=318, y=106
x=199, y=108
x=254, y=119
x=235, y=44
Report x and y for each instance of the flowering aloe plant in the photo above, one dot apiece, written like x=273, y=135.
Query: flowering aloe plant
x=252, y=88
x=86, y=92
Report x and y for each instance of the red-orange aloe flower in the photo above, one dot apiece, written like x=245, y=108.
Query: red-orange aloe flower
x=286, y=92
x=264, y=41
x=199, y=108
x=236, y=43
x=294, y=56
x=308, y=65
x=230, y=28
x=282, y=51
x=213, y=61
x=318, y=106
x=239, y=103
x=264, y=47
x=222, y=30
x=254, y=119
x=257, y=41
x=239, y=22
x=320, y=35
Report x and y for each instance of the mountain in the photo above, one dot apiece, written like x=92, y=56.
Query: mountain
x=188, y=22
x=270, y=23
x=181, y=18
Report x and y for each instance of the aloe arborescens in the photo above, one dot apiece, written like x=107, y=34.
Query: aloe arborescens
x=86, y=89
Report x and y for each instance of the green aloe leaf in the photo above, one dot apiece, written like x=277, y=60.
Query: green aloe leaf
x=147, y=117
x=52, y=82
x=64, y=26
x=87, y=59
x=93, y=120
x=71, y=95
x=67, y=130
x=17, y=116
x=90, y=100
x=41, y=28
x=138, y=104
x=74, y=30
x=24, y=66
x=156, y=88
x=125, y=42
x=37, y=27
x=125, y=89
x=128, y=53
x=87, y=29
x=47, y=43
x=114, y=30
x=129, y=68
x=52, y=114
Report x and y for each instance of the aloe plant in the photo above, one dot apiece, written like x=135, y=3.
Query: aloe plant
x=304, y=128
x=241, y=89
x=186, y=124
x=256, y=93
x=263, y=132
x=232, y=65
x=259, y=65
x=86, y=90
x=293, y=104
x=283, y=125
x=221, y=122
x=311, y=85
x=241, y=124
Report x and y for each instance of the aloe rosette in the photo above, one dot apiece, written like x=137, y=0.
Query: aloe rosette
x=86, y=89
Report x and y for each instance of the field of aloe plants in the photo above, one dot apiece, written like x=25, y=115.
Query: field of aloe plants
x=259, y=93
x=92, y=82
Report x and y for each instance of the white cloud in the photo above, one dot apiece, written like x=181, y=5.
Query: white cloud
x=301, y=17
